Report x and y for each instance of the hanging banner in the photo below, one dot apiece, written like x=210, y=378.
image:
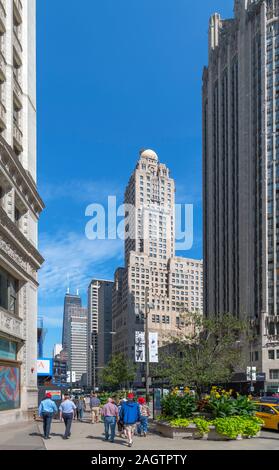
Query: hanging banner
x=139, y=346
x=153, y=347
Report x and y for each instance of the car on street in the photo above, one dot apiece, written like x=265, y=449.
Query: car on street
x=269, y=413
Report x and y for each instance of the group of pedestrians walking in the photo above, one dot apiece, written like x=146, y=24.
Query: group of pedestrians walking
x=129, y=415
x=48, y=409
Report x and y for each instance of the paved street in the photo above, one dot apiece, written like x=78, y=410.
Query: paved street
x=27, y=436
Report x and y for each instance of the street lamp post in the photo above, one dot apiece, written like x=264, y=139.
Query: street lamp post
x=146, y=317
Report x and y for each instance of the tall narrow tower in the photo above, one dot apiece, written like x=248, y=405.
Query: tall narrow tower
x=240, y=175
x=173, y=284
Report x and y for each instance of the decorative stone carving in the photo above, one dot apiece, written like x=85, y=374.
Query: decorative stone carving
x=11, y=324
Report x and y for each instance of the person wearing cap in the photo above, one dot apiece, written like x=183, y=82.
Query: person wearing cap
x=47, y=409
x=67, y=412
x=130, y=415
x=144, y=414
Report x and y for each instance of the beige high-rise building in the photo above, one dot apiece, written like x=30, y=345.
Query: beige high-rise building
x=241, y=175
x=20, y=206
x=174, y=284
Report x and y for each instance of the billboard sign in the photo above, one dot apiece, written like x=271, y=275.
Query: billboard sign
x=44, y=367
x=69, y=377
x=153, y=347
x=139, y=346
x=55, y=394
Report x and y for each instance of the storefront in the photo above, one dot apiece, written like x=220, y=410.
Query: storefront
x=9, y=375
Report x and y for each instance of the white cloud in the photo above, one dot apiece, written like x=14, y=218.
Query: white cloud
x=71, y=254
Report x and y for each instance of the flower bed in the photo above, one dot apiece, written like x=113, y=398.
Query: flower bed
x=218, y=416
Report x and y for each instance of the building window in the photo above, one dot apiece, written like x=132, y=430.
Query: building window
x=8, y=292
x=271, y=354
x=274, y=374
x=7, y=349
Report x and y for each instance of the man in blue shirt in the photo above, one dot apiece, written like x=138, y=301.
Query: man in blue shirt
x=129, y=416
x=47, y=409
x=67, y=410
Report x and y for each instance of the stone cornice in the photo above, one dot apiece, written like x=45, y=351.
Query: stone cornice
x=21, y=178
x=16, y=237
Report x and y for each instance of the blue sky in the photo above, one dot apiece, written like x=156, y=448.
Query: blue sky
x=113, y=77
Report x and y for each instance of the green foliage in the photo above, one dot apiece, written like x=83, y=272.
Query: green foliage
x=119, y=371
x=177, y=406
x=221, y=404
x=207, y=354
x=238, y=425
x=202, y=425
x=179, y=423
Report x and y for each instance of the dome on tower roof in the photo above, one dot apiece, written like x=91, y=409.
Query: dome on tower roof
x=149, y=154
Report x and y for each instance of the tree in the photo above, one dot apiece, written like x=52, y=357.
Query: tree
x=119, y=371
x=205, y=353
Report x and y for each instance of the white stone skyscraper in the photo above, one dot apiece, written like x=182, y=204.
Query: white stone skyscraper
x=20, y=206
x=174, y=284
x=241, y=176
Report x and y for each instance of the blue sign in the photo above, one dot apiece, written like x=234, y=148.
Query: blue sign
x=44, y=367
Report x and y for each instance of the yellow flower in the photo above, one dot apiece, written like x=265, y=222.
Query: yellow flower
x=217, y=395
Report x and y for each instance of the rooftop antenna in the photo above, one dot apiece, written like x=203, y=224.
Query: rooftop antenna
x=77, y=291
x=68, y=283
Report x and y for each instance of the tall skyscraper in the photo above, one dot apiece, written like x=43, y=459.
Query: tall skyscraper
x=70, y=300
x=240, y=175
x=99, y=339
x=173, y=284
x=77, y=342
x=57, y=348
x=20, y=207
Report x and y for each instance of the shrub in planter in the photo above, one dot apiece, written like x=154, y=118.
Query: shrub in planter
x=235, y=426
x=221, y=404
x=244, y=406
x=229, y=427
x=203, y=425
x=252, y=426
x=179, y=423
x=175, y=405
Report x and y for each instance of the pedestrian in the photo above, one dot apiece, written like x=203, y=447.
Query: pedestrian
x=144, y=415
x=81, y=407
x=67, y=412
x=75, y=400
x=110, y=414
x=130, y=415
x=47, y=409
x=120, y=425
x=95, y=408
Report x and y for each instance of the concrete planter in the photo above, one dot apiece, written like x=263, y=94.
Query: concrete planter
x=191, y=432
x=166, y=430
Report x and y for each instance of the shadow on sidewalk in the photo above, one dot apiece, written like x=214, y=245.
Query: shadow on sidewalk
x=99, y=438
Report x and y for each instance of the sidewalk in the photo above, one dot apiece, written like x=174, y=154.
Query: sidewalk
x=21, y=436
x=87, y=436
